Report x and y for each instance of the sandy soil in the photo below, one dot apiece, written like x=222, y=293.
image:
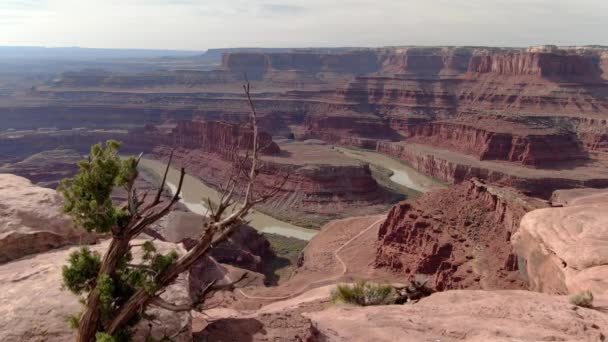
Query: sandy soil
x=343, y=252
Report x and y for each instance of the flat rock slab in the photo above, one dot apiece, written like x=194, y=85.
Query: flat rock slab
x=33, y=306
x=465, y=316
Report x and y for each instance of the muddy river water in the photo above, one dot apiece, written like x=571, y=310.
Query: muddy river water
x=195, y=194
x=402, y=173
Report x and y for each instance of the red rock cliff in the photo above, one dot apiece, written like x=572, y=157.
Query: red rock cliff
x=218, y=137
x=543, y=64
x=459, y=237
x=499, y=140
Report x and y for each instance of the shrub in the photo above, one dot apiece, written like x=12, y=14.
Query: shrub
x=583, y=299
x=364, y=294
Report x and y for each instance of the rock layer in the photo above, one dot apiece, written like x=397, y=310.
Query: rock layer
x=458, y=238
x=488, y=140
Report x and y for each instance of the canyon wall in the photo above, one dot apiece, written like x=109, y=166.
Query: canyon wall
x=357, y=62
x=541, y=64
x=484, y=140
x=218, y=137
x=543, y=107
x=457, y=238
x=347, y=130
x=456, y=168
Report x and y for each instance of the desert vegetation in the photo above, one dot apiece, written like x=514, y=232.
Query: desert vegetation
x=583, y=299
x=116, y=290
x=364, y=293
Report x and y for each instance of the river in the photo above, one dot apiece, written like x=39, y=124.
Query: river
x=194, y=192
x=402, y=173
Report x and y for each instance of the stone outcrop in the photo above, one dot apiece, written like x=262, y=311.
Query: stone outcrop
x=46, y=317
x=246, y=248
x=458, y=237
x=464, y=316
x=218, y=137
x=32, y=220
x=566, y=249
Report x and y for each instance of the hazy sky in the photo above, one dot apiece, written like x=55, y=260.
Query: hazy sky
x=202, y=24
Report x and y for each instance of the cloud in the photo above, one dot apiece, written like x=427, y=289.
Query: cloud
x=282, y=9
x=22, y=4
x=200, y=24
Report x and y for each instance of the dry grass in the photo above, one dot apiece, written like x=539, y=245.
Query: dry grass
x=364, y=294
x=583, y=299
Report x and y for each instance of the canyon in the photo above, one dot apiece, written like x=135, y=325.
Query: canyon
x=478, y=171
x=532, y=110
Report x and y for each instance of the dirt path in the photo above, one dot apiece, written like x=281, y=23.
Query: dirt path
x=325, y=281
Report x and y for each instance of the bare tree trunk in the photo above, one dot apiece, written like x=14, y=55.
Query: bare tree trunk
x=90, y=320
x=142, y=297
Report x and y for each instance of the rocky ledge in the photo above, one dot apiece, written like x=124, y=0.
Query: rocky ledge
x=32, y=220
x=564, y=249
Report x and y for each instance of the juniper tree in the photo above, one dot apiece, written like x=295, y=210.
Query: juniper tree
x=116, y=291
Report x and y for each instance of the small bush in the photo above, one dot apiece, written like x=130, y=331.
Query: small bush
x=364, y=294
x=583, y=299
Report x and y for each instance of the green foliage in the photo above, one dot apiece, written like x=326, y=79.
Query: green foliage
x=88, y=201
x=74, y=321
x=81, y=271
x=364, y=294
x=583, y=299
x=149, y=250
x=81, y=275
x=160, y=263
x=103, y=337
x=87, y=195
x=105, y=285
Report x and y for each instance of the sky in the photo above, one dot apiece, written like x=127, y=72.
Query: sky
x=203, y=24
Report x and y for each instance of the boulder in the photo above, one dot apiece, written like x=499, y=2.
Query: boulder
x=32, y=220
x=566, y=249
x=46, y=317
x=464, y=315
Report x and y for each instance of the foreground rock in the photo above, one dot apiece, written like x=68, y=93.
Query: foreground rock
x=32, y=220
x=566, y=249
x=246, y=248
x=46, y=317
x=458, y=237
x=465, y=316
